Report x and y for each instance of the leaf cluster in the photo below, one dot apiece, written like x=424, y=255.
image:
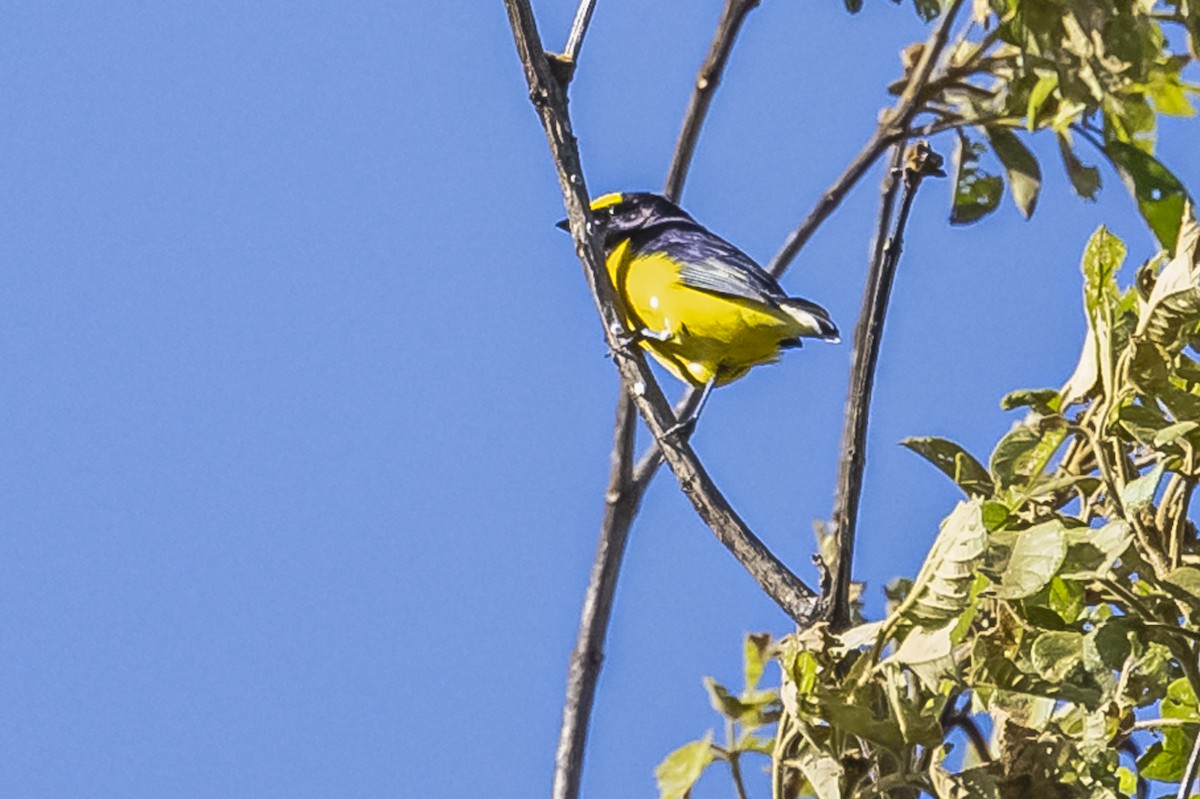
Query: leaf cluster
x=1058, y=607
x=1100, y=71
x=745, y=716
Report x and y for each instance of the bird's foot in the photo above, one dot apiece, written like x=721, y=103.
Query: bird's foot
x=681, y=431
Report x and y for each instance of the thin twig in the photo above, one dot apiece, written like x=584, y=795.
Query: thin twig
x=920, y=163
x=829, y=201
x=1156, y=724
x=937, y=126
x=583, y=18
x=735, y=769
x=890, y=131
x=973, y=733
x=909, y=102
x=732, y=17
x=862, y=375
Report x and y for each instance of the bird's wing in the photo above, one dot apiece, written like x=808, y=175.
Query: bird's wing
x=710, y=263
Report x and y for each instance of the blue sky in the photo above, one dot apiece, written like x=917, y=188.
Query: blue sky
x=305, y=414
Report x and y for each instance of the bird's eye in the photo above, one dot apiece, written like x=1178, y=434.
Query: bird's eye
x=612, y=211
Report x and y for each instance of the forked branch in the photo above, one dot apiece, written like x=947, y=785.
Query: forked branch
x=549, y=99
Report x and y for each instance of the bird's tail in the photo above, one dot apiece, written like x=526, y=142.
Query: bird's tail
x=813, y=319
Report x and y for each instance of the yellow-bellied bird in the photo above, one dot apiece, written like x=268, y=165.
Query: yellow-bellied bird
x=702, y=307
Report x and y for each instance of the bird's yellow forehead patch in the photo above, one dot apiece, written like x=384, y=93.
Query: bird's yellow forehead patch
x=604, y=201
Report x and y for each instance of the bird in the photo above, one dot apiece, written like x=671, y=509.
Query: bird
x=699, y=305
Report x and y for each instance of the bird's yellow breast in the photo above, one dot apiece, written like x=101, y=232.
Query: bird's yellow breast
x=704, y=335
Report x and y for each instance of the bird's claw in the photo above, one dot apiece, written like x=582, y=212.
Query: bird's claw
x=624, y=339
x=681, y=431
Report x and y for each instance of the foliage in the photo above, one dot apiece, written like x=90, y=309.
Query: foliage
x=744, y=715
x=1052, y=630
x=1057, y=607
x=1100, y=71
x=1049, y=645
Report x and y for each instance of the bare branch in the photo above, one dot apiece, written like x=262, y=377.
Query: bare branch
x=829, y=201
x=547, y=95
x=890, y=131
x=711, y=71
x=967, y=724
x=868, y=333
x=910, y=99
x=626, y=489
x=588, y=656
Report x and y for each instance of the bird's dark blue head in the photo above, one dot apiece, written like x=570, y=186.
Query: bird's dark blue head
x=620, y=214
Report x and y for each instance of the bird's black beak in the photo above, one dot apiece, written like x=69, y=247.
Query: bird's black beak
x=564, y=224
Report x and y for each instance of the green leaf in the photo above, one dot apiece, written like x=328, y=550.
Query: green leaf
x=942, y=589
x=1092, y=553
x=756, y=743
x=1149, y=678
x=1107, y=646
x=953, y=461
x=857, y=718
x=995, y=515
x=1037, y=98
x=1066, y=599
x=1159, y=194
x=760, y=708
x=1127, y=781
x=1102, y=258
x=1170, y=314
x=754, y=653
x=1142, y=422
x=1083, y=380
x=1026, y=450
x=1165, y=760
x=1151, y=370
x=927, y=9
x=1139, y=493
x=1180, y=702
x=926, y=645
x=678, y=772
x=1045, y=401
x=917, y=724
x=723, y=701
x=853, y=6
x=1084, y=179
x=1169, y=95
x=1184, y=583
x=1033, y=559
x=1171, y=319
x=976, y=192
x=1063, y=482
x=803, y=672
x=1024, y=174
x=823, y=772
x=1174, y=432
x=1056, y=654
x=1186, y=326
x=1132, y=121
